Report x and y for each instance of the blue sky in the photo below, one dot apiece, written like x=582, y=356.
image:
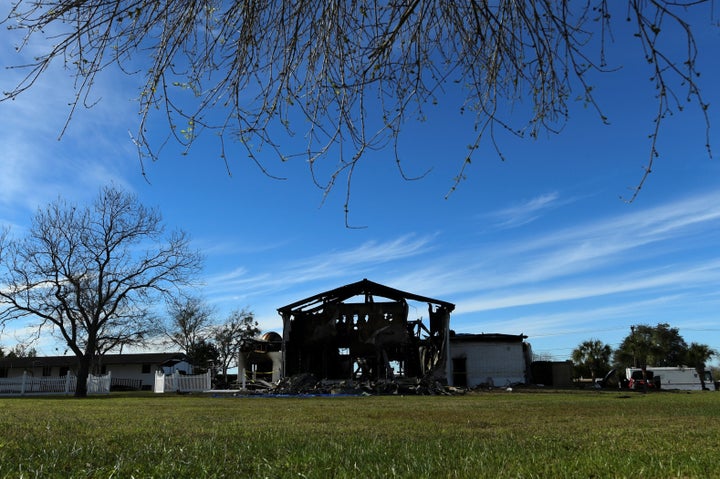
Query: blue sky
x=539, y=244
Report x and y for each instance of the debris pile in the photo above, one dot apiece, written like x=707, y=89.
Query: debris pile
x=306, y=383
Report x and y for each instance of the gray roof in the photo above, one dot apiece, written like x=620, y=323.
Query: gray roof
x=487, y=338
x=108, y=359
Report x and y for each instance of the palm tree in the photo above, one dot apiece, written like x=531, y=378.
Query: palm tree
x=592, y=355
x=697, y=356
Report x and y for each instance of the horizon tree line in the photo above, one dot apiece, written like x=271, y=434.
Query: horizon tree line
x=645, y=345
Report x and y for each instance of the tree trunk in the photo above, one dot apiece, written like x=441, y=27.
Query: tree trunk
x=82, y=376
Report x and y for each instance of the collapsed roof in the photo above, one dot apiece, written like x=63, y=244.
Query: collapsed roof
x=362, y=331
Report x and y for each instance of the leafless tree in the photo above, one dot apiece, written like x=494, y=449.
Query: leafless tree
x=20, y=351
x=91, y=274
x=350, y=74
x=190, y=321
x=230, y=336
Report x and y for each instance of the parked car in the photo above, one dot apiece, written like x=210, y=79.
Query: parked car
x=639, y=379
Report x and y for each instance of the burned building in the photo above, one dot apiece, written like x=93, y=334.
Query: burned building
x=490, y=360
x=261, y=358
x=362, y=331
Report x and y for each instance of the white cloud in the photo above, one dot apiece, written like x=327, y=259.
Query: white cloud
x=314, y=273
x=566, y=266
x=559, y=266
x=37, y=165
x=677, y=279
x=594, y=247
x=525, y=213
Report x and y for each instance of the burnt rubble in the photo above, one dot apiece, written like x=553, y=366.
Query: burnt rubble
x=307, y=384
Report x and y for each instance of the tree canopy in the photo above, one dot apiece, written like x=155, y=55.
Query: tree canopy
x=19, y=351
x=190, y=320
x=229, y=337
x=592, y=357
x=90, y=275
x=660, y=345
x=203, y=355
x=208, y=343
x=698, y=355
x=349, y=75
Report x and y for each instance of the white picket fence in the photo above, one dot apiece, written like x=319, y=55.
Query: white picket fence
x=27, y=384
x=182, y=383
x=99, y=384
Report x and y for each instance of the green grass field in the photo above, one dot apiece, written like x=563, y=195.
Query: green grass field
x=498, y=434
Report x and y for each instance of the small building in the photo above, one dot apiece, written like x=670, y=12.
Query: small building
x=131, y=371
x=493, y=360
x=261, y=358
x=558, y=374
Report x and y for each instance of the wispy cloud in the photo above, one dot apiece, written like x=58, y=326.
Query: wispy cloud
x=313, y=271
x=369, y=255
x=593, y=248
x=36, y=165
x=676, y=279
x=613, y=257
x=574, y=320
x=629, y=258
x=220, y=247
x=526, y=212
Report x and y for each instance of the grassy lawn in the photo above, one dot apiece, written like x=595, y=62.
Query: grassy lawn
x=499, y=434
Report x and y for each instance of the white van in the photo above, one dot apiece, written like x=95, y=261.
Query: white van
x=677, y=377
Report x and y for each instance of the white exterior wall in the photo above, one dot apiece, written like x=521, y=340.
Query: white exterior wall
x=36, y=372
x=496, y=363
x=18, y=372
x=134, y=371
x=687, y=379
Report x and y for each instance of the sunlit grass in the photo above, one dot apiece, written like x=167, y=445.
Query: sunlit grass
x=500, y=434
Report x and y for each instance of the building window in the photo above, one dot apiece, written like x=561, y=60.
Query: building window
x=47, y=371
x=146, y=369
x=3, y=372
x=64, y=371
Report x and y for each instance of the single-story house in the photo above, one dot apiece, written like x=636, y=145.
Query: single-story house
x=132, y=371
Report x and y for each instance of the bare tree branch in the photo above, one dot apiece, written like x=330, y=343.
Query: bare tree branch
x=82, y=273
x=190, y=321
x=231, y=336
x=349, y=75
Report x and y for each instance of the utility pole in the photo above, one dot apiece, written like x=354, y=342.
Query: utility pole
x=634, y=345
